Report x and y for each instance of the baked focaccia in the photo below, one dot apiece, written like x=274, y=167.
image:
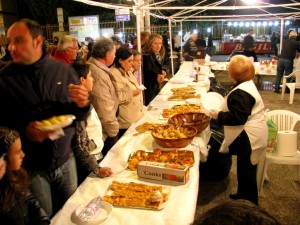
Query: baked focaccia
x=177, y=109
x=134, y=195
x=146, y=127
x=183, y=89
x=183, y=96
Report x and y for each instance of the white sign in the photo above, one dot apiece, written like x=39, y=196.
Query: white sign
x=122, y=11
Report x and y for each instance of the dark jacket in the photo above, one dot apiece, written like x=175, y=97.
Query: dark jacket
x=195, y=50
x=289, y=48
x=151, y=68
x=33, y=93
x=22, y=211
x=82, y=144
x=248, y=43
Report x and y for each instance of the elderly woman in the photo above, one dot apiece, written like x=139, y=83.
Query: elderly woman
x=245, y=126
x=67, y=49
x=153, y=62
x=104, y=96
x=130, y=100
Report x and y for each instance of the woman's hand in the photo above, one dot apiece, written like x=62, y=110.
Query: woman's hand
x=160, y=78
x=79, y=94
x=213, y=113
x=104, y=172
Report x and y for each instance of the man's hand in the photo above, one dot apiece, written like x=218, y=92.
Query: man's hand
x=79, y=94
x=104, y=172
x=35, y=134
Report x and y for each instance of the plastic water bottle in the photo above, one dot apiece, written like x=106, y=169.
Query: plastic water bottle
x=90, y=210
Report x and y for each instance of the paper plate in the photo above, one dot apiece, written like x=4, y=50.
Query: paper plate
x=193, y=101
x=197, y=84
x=68, y=120
x=104, y=212
x=212, y=100
x=177, y=81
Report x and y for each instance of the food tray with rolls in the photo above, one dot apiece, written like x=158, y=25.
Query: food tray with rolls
x=137, y=195
x=176, y=109
x=174, y=156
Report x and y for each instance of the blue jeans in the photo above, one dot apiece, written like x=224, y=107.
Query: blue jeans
x=284, y=67
x=53, y=188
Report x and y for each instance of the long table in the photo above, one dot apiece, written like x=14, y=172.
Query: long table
x=180, y=207
x=261, y=71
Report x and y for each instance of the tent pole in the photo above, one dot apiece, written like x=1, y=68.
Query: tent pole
x=138, y=33
x=171, y=45
x=180, y=54
x=147, y=18
x=281, y=34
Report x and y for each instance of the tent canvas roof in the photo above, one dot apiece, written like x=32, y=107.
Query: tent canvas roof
x=211, y=10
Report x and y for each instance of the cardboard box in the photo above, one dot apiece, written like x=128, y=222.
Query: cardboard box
x=170, y=173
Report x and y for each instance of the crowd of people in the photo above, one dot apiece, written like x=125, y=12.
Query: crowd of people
x=101, y=85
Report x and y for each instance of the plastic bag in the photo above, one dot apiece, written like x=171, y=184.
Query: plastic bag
x=272, y=135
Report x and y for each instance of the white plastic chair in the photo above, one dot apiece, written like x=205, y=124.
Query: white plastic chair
x=284, y=120
x=291, y=86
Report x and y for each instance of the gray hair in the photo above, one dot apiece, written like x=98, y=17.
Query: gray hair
x=65, y=42
x=292, y=34
x=101, y=47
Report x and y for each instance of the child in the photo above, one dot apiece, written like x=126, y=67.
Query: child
x=17, y=205
x=137, y=63
x=89, y=133
x=245, y=126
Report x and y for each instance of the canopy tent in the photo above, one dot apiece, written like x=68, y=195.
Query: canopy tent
x=207, y=10
x=210, y=10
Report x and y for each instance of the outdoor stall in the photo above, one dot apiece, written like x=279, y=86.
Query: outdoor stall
x=260, y=47
x=180, y=205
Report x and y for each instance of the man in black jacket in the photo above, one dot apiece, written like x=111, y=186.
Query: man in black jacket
x=33, y=88
x=286, y=59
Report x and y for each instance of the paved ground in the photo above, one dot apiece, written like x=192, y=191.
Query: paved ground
x=281, y=195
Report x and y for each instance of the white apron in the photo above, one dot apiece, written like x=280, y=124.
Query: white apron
x=255, y=127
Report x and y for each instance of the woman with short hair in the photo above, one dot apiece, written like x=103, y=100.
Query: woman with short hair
x=130, y=99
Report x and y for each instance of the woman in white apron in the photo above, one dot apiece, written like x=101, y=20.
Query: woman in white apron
x=245, y=128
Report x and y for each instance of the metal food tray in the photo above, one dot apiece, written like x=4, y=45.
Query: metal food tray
x=181, y=154
x=182, y=98
x=166, y=190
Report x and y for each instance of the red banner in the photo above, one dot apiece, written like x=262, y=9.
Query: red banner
x=259, y=47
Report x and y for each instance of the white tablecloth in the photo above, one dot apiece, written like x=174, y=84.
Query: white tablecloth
x=180, y=207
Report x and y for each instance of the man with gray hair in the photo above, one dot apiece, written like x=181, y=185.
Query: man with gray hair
x=286, y=59
x=191, y=49
x=104, y=95
x=67, y=49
